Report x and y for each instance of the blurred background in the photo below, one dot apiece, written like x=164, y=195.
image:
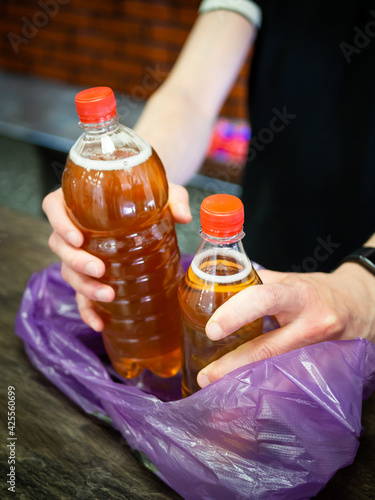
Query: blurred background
x=52, y=49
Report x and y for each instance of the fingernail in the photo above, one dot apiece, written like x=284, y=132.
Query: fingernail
x=203, y=380
x=102, y=295
x=73, y=238
x=214, y=331
x=92, y=269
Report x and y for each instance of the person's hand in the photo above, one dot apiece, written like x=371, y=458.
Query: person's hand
x=80, y=268
x=310, y=308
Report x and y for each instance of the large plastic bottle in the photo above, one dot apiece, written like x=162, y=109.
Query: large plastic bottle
x=219, y=270
x=116, y=192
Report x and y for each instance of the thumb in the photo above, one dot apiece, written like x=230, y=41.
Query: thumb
x=179, y=203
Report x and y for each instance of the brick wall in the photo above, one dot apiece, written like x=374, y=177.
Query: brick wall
x=128, y=45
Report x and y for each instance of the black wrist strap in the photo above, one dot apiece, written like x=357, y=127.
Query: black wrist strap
x=365, y=256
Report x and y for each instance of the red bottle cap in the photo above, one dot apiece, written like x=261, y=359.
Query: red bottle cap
x=222, y=215
x=96, y=105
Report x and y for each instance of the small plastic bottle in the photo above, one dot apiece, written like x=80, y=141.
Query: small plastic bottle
x=219, y=270
x=116, y=192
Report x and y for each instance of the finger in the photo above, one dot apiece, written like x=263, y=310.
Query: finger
x=270, y=344
x=179, y=203
x=88, y=313
x=54, y=207
x=77, y=259
x=250, y=304
x=90, y=288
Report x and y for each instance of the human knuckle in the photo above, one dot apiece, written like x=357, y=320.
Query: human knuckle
x=217, y=371
x=264, y=351
x=332, y=323
x=271, y=296
x=52, y=243
x=64, y=273
x=80, y=303
x=304, y=287
x=46, y=202
x=74, y=263
x=305, y=293
x=81, y=300
x=84, y=313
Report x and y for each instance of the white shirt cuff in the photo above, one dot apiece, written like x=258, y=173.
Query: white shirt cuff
x=245, y=8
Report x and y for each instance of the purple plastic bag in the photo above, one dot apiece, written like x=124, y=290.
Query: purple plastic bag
x=278, y=428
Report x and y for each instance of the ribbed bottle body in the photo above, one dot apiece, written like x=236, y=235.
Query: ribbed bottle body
x=216, y=274
x=117, y=194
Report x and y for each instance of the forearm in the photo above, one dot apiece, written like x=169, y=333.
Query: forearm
x=177, y=131
x=178, y=118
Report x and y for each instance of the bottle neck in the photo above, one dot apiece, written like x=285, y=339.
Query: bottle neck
x=221, y=260
x=232, y=243
x=222, y=241
x=100, y=127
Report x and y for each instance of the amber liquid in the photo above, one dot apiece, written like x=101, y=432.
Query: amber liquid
x=126, y=222
x=198, y=299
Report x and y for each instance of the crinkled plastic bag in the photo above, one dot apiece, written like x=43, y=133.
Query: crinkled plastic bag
x=278, y=428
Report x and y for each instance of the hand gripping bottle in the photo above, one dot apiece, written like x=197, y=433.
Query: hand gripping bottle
x=116, y=192
x=219, y=270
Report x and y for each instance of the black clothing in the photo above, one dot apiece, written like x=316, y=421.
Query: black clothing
x=310, y=179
